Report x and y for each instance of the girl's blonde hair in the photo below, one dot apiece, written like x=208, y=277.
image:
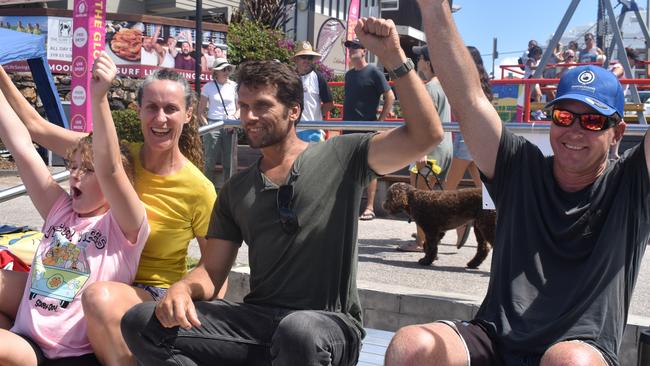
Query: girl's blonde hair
x=85, y=149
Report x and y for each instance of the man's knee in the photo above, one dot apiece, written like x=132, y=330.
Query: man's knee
x=297, y=329
x=574, y=353
x=135, y=321
x=434, y=344
x=314, y=338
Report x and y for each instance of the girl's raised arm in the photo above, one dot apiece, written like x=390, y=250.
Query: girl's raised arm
x=119, y=192
x=42, y=189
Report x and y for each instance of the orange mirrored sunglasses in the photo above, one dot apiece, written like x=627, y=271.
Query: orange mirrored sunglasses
x=588, y=121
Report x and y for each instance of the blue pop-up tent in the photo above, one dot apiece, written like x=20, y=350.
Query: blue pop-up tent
x=18, y=46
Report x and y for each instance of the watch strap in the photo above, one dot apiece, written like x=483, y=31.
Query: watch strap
x=402, y=69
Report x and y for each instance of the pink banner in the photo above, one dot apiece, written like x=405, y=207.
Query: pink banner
x=88, y=40
x=353, y=18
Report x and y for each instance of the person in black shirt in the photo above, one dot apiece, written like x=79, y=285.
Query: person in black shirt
x=572, y=228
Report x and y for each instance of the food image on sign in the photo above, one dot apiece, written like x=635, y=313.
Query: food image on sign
x=126, y=43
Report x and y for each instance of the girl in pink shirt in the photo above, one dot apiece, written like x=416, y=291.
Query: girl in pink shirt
x=95, y=232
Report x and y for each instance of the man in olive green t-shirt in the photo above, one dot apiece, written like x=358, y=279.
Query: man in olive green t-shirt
x=296, y=209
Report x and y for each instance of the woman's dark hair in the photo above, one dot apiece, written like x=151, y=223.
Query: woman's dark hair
x=286, y=81
x=483, y=75
x=535, y=51
x=190, y=140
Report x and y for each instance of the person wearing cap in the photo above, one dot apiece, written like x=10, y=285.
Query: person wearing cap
x=364, y=86
x=572, y=227
x=218, y=102
x=422, y=175
x=317, y=94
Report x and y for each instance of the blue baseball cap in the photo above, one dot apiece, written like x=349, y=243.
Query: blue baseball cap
x=594, y=86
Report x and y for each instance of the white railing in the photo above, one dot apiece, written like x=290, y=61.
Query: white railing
x=534, y=128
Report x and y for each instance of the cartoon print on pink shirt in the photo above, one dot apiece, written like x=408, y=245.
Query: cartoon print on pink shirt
x=59, y=273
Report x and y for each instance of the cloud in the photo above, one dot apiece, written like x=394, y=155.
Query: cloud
x=506, y=72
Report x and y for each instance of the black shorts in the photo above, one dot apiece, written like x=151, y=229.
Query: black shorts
x=88, y=359
x=482, y=350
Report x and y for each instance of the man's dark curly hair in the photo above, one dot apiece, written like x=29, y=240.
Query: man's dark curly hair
x=286, y=81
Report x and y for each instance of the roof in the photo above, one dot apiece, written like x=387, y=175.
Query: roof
x=18, y=46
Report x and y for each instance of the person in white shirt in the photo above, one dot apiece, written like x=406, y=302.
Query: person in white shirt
x=218, y=102
x=148, y=55
x=317, y=94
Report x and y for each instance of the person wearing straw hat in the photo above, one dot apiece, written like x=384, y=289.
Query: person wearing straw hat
x=218, y=102
x=317, y=94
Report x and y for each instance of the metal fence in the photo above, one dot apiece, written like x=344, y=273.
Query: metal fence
x=534, y=128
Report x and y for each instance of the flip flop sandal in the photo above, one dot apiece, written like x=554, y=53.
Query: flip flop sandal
x=367, y=216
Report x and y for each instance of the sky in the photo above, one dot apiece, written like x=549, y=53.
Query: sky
x=515, y=22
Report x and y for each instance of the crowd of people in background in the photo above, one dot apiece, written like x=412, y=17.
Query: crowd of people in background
x=178, y=52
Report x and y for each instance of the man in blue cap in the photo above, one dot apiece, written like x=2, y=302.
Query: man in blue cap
x=572, y=227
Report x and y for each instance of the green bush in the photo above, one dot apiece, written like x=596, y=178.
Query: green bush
x=127, y=125
x=338, y=94
x=251, y=40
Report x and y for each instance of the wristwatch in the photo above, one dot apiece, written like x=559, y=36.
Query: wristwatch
x=402, y=69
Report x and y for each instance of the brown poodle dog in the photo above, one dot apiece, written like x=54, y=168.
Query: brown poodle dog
x=438, y=211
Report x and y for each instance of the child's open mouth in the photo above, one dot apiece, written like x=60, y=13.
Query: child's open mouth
x=76, y=192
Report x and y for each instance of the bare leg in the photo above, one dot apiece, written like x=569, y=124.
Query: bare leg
x=12, y=286
x=104, y=304
x=418, y=182
x=474, y=173
x=15, y=350
x=426, y=344
x=574, y=353
x=368, y=212
x=456, y=173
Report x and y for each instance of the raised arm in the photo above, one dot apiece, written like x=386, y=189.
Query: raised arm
x=44, y=133
x=42, y=189
x=171, y=46
x=107, y=159
x=479, y=122
x=176, y=308
x=394, y=149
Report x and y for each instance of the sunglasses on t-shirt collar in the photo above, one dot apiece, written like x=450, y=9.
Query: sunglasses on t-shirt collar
x=288, y=218
x=588, y=121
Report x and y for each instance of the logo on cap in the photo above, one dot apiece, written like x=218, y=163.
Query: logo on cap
x=596, y=103
x=586, y=77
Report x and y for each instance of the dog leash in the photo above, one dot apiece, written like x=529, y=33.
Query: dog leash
x=426, y=177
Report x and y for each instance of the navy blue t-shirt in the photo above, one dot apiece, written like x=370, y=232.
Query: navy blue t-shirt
x=363, y=88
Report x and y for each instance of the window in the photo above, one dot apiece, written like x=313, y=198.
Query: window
x=389, y=5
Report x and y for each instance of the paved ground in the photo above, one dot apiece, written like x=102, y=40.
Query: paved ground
x=379, y=262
